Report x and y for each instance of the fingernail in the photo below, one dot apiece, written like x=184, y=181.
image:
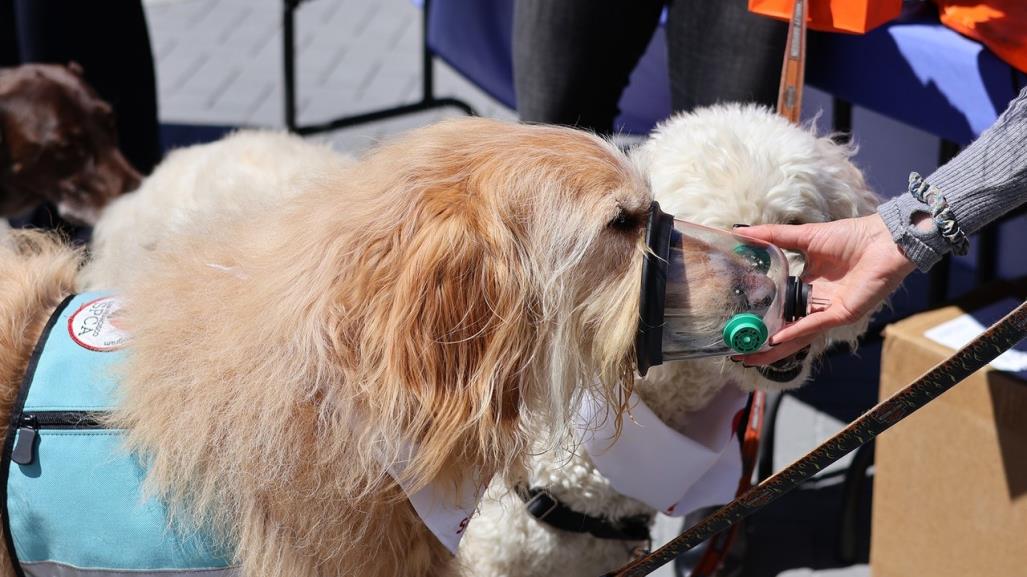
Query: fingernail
x=739, y=225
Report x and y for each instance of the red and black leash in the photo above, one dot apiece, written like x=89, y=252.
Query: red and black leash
x=1000, y=337
x=719, y=546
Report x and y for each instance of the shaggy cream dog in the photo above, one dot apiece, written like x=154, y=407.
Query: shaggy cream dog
x=244, y=171
x=452, y=287
x=718, y=166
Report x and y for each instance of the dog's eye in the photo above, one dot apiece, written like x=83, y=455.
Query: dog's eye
x=741, y=298
x=623, y=221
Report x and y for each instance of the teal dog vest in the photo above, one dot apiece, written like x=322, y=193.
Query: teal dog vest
x=73, y=503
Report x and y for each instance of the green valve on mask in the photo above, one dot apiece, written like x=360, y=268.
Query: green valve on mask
x=745, y=333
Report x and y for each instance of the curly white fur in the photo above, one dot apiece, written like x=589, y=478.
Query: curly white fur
x=718, y=166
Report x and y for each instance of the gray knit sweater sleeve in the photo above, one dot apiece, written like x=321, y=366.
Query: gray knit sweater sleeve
x=985, y=181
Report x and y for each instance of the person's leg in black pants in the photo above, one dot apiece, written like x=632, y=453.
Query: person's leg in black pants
x=718, y=51
x=573, y=58
x=8, y=35
x=110, y=40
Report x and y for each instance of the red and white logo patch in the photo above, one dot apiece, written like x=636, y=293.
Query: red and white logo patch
x=94, y=325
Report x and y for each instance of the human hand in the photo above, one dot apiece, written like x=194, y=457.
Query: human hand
x=853, y=262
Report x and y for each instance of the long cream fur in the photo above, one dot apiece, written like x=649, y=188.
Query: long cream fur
x=451, y=287
x=240, y=173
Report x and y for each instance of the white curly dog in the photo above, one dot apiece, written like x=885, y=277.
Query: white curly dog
x=718, y=167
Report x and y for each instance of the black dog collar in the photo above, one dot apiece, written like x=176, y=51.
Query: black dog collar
x=548, y=509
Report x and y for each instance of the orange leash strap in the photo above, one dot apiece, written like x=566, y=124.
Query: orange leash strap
x=716, y=553
x=793, y=71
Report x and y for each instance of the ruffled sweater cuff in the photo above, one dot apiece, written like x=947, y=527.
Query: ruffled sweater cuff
x=986, y=180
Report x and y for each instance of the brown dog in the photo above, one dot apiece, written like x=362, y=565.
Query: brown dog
x=58, y=143
x=447, y=287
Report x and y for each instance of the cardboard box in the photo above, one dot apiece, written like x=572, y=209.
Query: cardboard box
x=950, y=486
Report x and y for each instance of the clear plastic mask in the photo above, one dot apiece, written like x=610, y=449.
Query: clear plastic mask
x=707, y=292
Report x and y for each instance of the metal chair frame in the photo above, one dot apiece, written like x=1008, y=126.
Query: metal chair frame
x=427, y=102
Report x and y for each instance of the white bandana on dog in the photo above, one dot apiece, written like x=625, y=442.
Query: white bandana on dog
x=434, y=505
x=670, y=471
x=673, y=472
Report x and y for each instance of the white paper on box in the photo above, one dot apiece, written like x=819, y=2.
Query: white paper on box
x=959, y=331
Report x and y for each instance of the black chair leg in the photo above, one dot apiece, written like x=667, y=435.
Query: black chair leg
x=987, y=254
x=938, y=281
x=841, y=120
x=852, y=493
x=289, y=61
x=765, y=462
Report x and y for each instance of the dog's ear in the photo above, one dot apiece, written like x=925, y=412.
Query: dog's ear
x=457, y=333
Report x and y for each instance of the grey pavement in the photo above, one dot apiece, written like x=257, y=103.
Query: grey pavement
x=220, y=62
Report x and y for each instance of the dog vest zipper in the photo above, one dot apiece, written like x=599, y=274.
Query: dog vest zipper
x=30, y=423
x=72, y=501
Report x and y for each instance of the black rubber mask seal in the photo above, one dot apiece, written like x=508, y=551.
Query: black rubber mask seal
x=649, y=338
x=796, y=302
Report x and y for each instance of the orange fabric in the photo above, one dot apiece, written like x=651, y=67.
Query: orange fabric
x=1001, y=25
x=852, y=16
